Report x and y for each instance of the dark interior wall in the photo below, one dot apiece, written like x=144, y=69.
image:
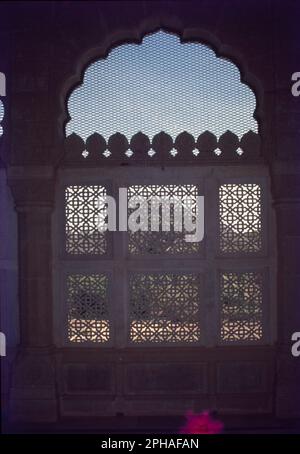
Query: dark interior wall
x=47, y=45
x=44, y=48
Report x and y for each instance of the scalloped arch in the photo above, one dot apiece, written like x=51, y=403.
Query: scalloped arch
x=136, y=36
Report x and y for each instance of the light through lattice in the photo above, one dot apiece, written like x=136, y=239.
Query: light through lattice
x=241, y=306
x=87, y=302
x=161, y=84
x=164, y=308
x=240, y=218
x=84, y=211
x=163, y=242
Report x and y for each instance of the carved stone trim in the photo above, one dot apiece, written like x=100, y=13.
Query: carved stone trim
x=32, y=187
x=162, y=149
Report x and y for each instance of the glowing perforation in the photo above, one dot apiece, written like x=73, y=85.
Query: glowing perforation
x=106, y=153
x=151, y=153
x=173, y=152
x=129, y=153
x=217, y=151
x=85, y=153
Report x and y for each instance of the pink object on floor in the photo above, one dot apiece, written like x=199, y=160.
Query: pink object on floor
x=201, y=423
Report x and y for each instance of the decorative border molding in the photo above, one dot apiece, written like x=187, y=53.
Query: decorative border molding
x=162, y=149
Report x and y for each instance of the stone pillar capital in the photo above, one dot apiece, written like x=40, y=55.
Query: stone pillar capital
x=32, y=187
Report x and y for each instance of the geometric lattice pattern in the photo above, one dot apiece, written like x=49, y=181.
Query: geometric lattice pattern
x=164, y=242
x=161, y=84
x=84, y=214
x=241, y=306
x=164, y=308
x=87, y=302
x=240, y=218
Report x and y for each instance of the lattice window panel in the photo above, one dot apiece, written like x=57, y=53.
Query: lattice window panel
x=161, y=242
x=161, y=84
x=241, y=306
x=240, y=218
x=85, y=212
x=164, y=308
x=88, y=311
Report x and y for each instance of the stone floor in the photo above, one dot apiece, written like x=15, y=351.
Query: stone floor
x=150, y=425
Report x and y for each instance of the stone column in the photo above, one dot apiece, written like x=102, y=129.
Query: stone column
x=286, y=191
x=33, y=395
